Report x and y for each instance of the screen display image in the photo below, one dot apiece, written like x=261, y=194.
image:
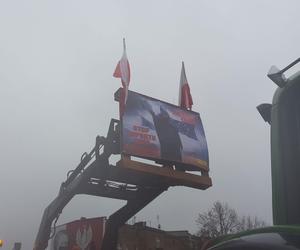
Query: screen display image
x=160, y=131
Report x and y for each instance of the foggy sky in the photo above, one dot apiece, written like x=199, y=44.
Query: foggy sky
x=56, y=95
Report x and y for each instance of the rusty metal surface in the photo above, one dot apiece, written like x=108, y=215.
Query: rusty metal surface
x=154, y=175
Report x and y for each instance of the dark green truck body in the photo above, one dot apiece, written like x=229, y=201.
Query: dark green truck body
x=285, y=161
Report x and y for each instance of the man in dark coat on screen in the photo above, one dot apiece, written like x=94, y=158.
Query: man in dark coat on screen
x=169, y=139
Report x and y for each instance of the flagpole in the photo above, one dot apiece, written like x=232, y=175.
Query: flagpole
x=182, y=74
x=124, y=90
x=124, y=45
x=183, y=69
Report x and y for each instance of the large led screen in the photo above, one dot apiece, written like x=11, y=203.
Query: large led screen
x=163, y=132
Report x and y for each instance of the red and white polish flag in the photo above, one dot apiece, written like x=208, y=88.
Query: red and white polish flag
x=123, y=71
x=185, y=97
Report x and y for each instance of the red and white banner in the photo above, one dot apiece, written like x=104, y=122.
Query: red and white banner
x=123, y=71
x=185, y=97
x=83, y=234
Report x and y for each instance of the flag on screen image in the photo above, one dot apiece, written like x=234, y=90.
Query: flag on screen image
x=123, y=71
x=185, y=97
x=185, y=129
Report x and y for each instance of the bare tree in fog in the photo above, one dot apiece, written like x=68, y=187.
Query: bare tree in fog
x=222, y=219
x=249, y=223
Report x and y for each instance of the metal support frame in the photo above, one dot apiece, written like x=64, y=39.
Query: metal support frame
x=124, y=214
x=95, y=176
x=91, y=178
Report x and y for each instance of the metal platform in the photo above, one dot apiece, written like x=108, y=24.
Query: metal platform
x=140, y=173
